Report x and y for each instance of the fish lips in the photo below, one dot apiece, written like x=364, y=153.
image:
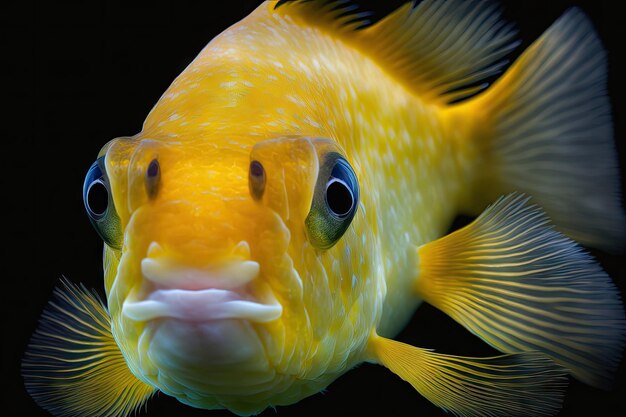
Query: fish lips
x=201, y=294
x=200, y=306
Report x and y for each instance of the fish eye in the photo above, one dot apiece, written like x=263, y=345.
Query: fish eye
x=99, y=205
x=339, y=196
x=334, y=203
x=97, y=199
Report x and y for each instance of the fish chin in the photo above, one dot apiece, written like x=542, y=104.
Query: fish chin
x=179, y=344
x=199, y=363
x=197, y=350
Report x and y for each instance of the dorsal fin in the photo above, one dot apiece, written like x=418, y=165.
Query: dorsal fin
x=337, y=16
x=442, y=50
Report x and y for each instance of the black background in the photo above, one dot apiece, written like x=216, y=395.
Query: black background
x=83, y=72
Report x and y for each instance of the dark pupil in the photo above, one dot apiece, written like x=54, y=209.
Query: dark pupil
x=98, y=198
x=339, y=198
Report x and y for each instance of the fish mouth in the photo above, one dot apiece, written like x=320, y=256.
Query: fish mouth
x=196, y=294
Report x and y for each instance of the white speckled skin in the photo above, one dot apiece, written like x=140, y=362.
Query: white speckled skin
x=270, y=77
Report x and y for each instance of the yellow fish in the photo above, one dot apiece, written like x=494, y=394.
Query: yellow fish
x=280, y=217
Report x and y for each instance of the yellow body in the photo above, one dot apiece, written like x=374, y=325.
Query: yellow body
x=227, y=286
x=269, y=77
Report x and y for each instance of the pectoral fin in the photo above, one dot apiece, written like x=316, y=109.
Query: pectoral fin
x=514, y=281
x=522, y=384
x=73, y=366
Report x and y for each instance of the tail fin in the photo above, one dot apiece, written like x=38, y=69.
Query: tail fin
x=546, y=130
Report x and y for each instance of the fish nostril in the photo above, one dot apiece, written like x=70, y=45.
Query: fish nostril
x=153, y=177
x=256, y=179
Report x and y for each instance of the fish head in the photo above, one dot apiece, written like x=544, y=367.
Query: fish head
x=223, y=273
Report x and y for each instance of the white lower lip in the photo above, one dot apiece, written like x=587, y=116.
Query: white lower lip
x=199, y=306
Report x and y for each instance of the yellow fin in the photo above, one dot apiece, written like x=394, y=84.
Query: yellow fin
x=523, y=384
x=518, y=284
x=544, y=128
x=335, y=16
x=442, y=50
x=73, y=366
